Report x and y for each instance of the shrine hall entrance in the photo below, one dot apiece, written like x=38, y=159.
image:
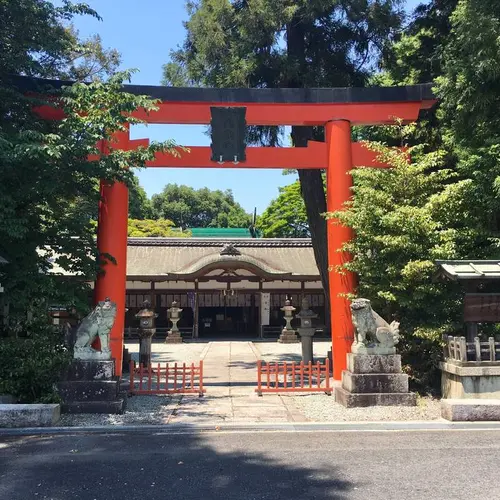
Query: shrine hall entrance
x=228, y=316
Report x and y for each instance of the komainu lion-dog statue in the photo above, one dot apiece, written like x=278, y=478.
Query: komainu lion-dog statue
x=373, y=334
x=97, y=324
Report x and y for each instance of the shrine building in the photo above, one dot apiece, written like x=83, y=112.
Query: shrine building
x=226, y=287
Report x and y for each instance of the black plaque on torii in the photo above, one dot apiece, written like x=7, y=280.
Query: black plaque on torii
x=228, y=134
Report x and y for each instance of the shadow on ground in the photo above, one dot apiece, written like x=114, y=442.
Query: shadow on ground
x=157, y=466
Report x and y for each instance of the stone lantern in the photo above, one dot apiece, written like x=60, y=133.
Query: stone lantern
x=306, y=330
x=288, y=335
x=147, y=328
x=174, y=336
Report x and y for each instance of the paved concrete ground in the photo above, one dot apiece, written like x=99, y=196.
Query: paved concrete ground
x=450, y=465
x=230, y=375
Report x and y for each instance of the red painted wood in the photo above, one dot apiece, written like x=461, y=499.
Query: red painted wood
x=185, y=373
x=376, y=113
x=112, y=240
x=313, y=157
x=339, y=184
x=305, y=372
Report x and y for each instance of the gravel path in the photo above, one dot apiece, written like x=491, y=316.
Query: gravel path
x=323, y=408
x=146, y=410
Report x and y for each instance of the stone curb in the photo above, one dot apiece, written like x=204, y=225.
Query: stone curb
x=436, y=425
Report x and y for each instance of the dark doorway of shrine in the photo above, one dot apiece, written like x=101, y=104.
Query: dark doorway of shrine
x=227, y=317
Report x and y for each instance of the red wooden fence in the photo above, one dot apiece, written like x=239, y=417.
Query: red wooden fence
x=293, y=377
x=167, y=379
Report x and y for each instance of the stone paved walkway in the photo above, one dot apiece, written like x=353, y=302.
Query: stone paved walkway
x=230, y=370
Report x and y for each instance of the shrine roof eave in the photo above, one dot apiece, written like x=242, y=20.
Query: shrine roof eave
x=467, y=270
x=336, y=95
x=159, y=278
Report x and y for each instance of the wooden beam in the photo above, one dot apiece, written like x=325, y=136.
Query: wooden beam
x=301, y=114
x=312, y=157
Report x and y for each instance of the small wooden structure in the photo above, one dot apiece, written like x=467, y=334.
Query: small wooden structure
x=481, y=280
x=471, y=366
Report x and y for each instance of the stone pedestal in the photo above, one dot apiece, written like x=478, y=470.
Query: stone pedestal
x=173, y=338
x=306, y=339
x=91, y=387
x=470, y=380
x=145, y=338
x=374, y=380
x=288, y=337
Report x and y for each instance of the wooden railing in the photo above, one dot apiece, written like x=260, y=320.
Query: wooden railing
x=166, y=378
x=293, y=377
x=458, y=349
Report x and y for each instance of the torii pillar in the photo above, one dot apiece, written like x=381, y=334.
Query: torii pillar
x=112, y=246
x=342, y=283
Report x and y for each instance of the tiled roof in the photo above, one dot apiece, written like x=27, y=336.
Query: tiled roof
x=220, y=242
x=469, y=269
x=174, y=258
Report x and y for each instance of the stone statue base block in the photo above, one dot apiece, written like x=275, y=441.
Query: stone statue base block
x=91, y=387
x=90, y=370
x=371, y=363
x=288, y=337
x=89, y=354
x=173, y=338
x=352, y=400
x=470, y=410
x=374, y=380
x=373, y=350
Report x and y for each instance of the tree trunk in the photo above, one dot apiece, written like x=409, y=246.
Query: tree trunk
x=313, y=194
x=311, y=181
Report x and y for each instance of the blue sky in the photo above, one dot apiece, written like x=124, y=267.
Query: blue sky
x=144, y=33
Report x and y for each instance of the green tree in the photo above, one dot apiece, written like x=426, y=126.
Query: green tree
x=139, y=205
x=469, y=89
x=285, y=217
x=44, y=164
x=285, y=43
x=154, y=228
x=193, y=208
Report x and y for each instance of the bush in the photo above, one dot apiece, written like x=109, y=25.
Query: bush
x=30, y=366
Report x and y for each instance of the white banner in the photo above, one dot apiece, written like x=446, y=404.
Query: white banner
x=265, y=308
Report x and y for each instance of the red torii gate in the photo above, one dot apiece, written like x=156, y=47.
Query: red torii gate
x=335, y=109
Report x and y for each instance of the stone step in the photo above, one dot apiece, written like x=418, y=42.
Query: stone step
x=374, y=382
x=353, y=400
x=29, y=415
x=113, y=407
x=84, y=390
x=470, y=410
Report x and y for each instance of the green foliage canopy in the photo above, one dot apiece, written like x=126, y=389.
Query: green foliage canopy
x=285, y=217
x=154, y=228
x=194, y=208
x=48, y=188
